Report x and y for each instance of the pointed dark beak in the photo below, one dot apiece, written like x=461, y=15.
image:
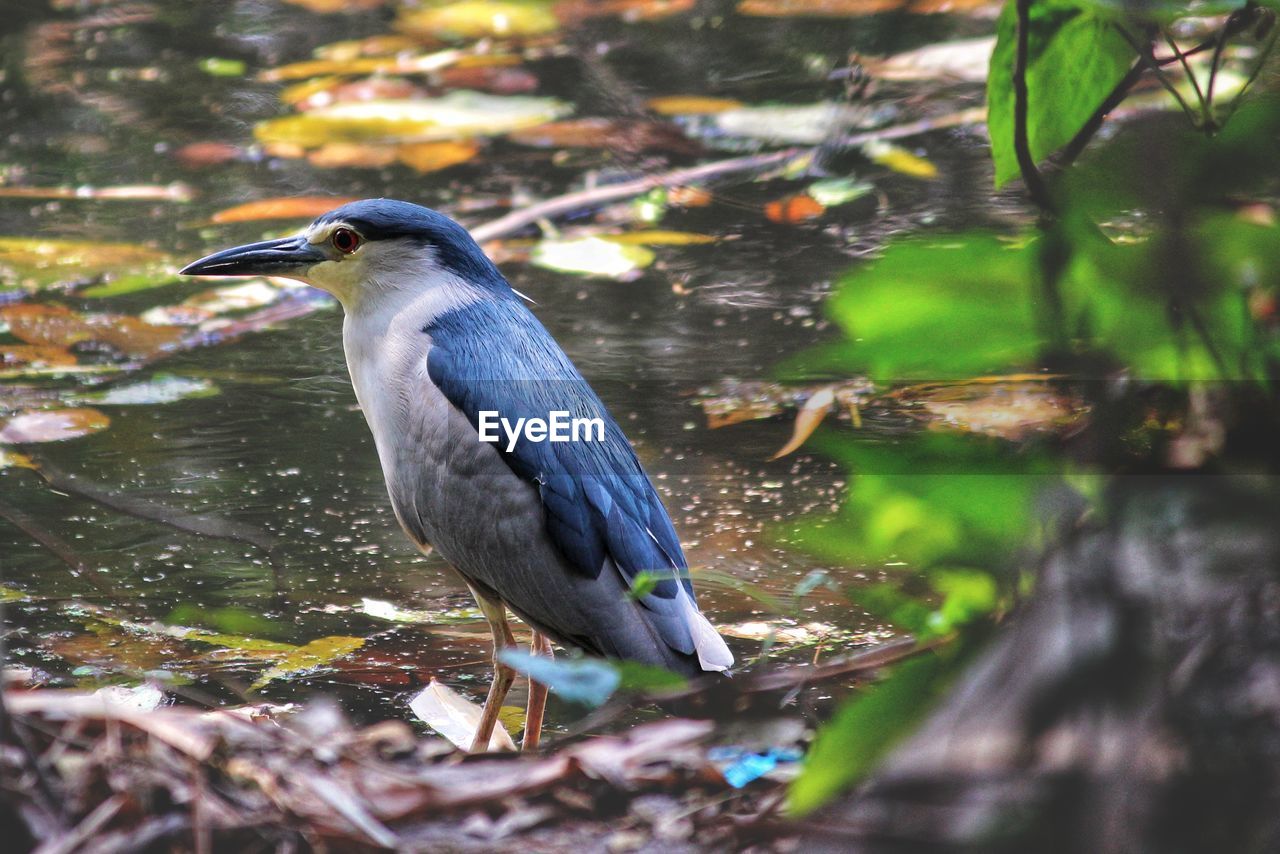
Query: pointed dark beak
x=284, y=257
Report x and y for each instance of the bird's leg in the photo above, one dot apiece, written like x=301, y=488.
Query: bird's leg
x=495, y=613
x=540, y=645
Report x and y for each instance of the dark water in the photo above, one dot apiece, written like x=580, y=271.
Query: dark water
x=103, y=93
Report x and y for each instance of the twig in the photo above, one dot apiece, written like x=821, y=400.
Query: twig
x=1021, y=144
x=598, y=196
x=92, y=823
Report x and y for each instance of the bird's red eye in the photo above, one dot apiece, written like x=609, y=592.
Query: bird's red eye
x=345, y=240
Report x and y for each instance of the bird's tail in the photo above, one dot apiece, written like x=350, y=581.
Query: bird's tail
x=713, y=653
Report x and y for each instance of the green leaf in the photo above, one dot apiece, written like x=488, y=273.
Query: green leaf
x=939, y=309
x=864, y=729
x=1074, y=59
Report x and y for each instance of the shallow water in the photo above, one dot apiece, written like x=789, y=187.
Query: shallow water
x=284, y=448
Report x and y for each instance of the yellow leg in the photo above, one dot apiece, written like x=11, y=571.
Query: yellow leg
x=495, y=613
x=537, y=697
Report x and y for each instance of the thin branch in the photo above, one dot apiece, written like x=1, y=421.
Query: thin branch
x=599, y=196
x=1021, y=144
x=1186, y=68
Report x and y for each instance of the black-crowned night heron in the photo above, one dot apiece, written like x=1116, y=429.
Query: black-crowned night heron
x=495, y=450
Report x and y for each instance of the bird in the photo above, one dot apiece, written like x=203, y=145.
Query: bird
x=570, y=536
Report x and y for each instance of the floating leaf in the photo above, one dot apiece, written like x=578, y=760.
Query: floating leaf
x=591, y=256
x=623, y=135
x=34, y=263
x=303, y=659
x=13, y=460
x=323, y=91
x=851, y=8
x=457, y=115
x=60, y=327
x=789, y=210
x=807, y=124
x=589, y=681
x=659, y=238
x=900, y=160
x=498, y=79
x=290, y=207
x=964, y=60
x=347, y=155
x=35, y=355
x=160, y=389
x=217, y=66
x=433, y=156
x=329, y=7
x=1010, y=410
x=628, y=10
x=454, y=717
x=479, y=19
x=813, y=412
x=692, y=105
x=176, y=192
x=834, y=192
x=199, y=155
x=51, y=425
x=399, y=63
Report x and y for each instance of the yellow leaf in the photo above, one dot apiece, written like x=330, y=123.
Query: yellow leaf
x=900, y=160
x=14, y=460
x=479, y=19
x=691, y=105
x=315, y=654
x=434, y=156
x=808, y=418
x=659, y=238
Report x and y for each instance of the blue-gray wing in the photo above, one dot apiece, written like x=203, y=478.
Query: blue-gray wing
x=601, y=509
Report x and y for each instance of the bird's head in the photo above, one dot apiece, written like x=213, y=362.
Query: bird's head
x=364, y=250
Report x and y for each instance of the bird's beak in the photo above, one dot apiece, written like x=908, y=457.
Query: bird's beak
x=288, y=256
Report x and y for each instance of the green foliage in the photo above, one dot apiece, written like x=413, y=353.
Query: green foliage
x=865, y=728
x=1075, y=57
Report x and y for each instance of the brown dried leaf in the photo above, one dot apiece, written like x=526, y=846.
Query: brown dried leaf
x=426, y=157
x=58, y=326
x=289, y=207
x=815, y=409
x=623, y=135
x=34, y=355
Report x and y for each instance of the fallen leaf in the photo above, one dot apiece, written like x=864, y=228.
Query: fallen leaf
x=692, y=105
x=900, y=160
x=306, y=658
x=1009, y=409
x=659, y=238
x=789, y=210
x=13, y=460
x=51, y=425
x=805, y=124
x=35, y=263
x=478, y=19
x=329, y=7
x=454, y=717
x=457, y=115
x=380, y=45
x=623, y=135
x=35, y=355
x=160, y=389
x=288, y=207
x=60, y=327
x=779, y=632
x=811, y=414
x=323, y=91
x=628, y=10
x=964, y=60
x=359, y=66
x=198, y=155
x=834, y=192
x=591, y=256
x=853, y=8
x=498, y=79
x=136, y=192
x=349, y=155
x=689, y=197
x=426, y=157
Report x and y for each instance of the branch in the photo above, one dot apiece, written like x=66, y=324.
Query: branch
x=1022, y=148
x=598, y=196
